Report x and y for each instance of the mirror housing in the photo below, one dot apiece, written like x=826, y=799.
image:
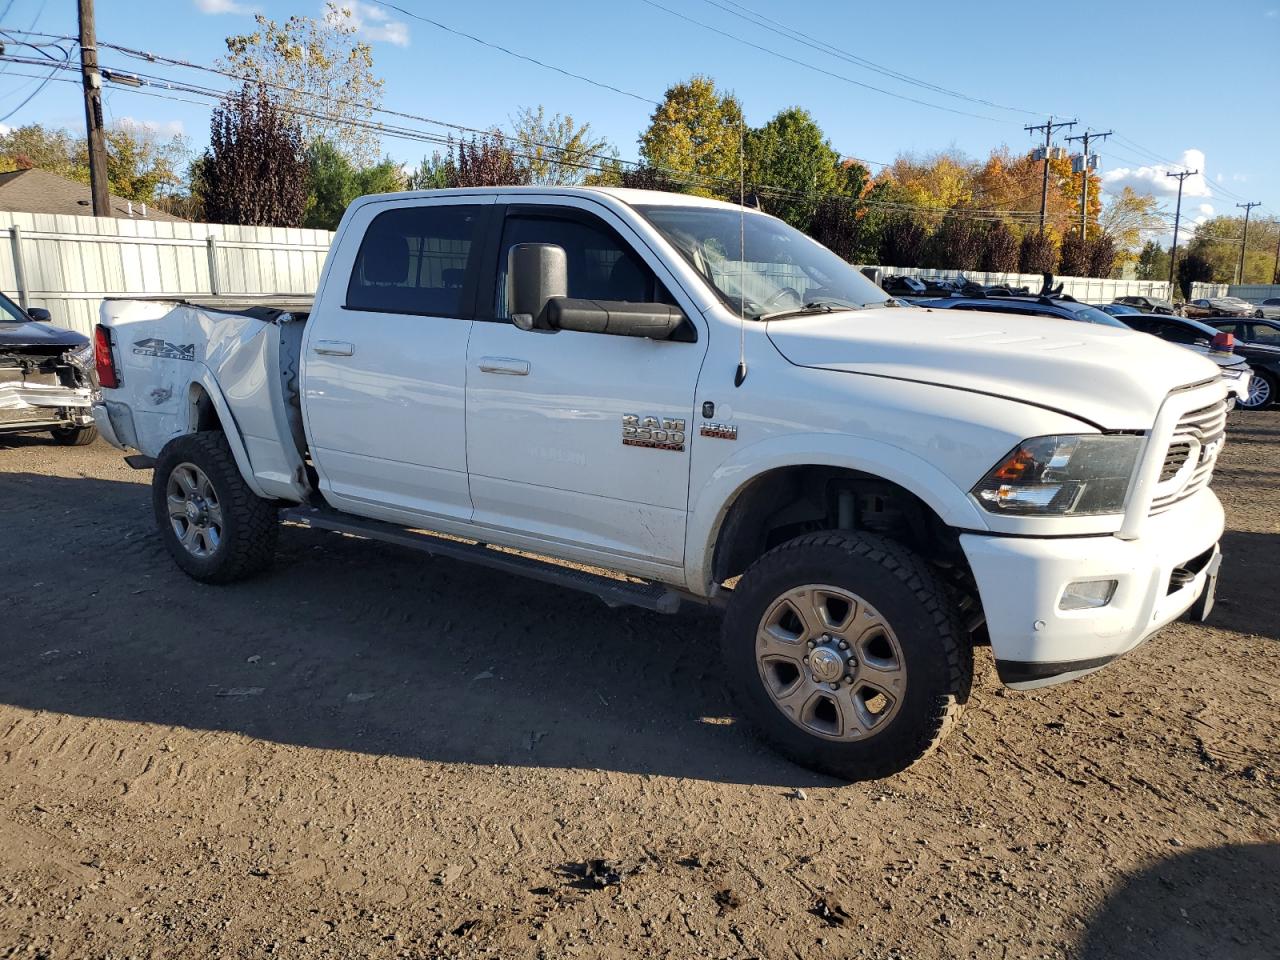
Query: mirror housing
x=39, y=314
x=621, y=318
x=536, y=273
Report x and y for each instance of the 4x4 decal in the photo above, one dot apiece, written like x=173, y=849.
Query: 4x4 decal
x=155, y=347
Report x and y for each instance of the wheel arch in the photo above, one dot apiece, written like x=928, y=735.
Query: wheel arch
x=207, y=409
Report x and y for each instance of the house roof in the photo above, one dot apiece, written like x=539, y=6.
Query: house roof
x=39, y=191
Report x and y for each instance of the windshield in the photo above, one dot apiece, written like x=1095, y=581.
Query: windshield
x=10, y=312
x=783, y=270
x=1082, y=311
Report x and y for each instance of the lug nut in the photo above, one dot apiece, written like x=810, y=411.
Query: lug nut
x=835, y=686
x=812, y=644
x=844, y=645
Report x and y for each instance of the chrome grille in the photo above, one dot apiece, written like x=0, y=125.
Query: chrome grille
x=1200, y=432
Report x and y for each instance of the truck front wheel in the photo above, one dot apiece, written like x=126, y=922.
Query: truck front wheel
x=214, y=526
x=844, y=650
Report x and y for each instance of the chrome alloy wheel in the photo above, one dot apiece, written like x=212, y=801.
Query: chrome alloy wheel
x=194, y=511
x=830, y=662
x=1259, y=392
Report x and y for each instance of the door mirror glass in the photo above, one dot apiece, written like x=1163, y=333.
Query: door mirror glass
x=536, y=273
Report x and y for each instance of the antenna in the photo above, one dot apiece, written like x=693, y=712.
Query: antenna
x=741, y=373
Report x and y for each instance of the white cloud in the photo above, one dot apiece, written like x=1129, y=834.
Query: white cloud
x=161, y=128
x=372, y=23
x=1206, y=209
x=1154, y=180
x=4, y=129
x=221, y=6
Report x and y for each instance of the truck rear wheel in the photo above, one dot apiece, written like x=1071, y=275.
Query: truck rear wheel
x=214, y=526
x=75, y=436
x=845, y=652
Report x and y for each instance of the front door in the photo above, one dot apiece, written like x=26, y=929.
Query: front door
x=583, y=438
x=384, y=368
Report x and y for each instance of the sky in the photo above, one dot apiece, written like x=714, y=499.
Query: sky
x=1180, y=83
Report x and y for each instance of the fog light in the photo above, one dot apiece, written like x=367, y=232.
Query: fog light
x=1087, y=594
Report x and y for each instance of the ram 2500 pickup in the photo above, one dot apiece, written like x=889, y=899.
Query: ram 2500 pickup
x=712, y=407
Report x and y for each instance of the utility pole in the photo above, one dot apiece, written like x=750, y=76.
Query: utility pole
x=1087, y=162
x=1275, y=271
x=1245, y=241
x=1173, y=254
x=1048, y=129
x=92, y=82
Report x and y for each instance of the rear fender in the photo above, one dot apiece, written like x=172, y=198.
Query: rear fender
x=226, y=420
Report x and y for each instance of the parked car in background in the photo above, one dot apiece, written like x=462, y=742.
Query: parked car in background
x=1148, y=304
x=46, y=377
x=1265, y=361
x=1268, y=309
x=1235, y=371
x=1263, y=332
x=1218, y=307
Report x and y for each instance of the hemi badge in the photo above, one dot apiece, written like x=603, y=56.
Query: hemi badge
x=721, y=431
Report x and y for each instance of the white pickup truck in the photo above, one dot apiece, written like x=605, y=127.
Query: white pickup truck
x=543, y=379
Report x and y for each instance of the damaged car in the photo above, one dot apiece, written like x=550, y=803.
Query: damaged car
x=47, y=380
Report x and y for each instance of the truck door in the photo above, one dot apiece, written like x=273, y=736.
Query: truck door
x=384, y=359
x=581, y=438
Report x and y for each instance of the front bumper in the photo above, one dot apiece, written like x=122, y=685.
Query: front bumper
x=1021, y=580
x=39, y=406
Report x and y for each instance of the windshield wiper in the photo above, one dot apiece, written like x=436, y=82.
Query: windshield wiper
x=813, y=306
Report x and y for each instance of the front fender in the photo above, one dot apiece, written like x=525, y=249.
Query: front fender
x=711, y=504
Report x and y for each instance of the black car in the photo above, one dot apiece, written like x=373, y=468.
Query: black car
x=1148, y=304
x=1233, y=367
x=1265, y=333
x=47, y=379
x=1265, y=360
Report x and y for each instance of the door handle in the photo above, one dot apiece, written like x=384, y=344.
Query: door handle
x=504, y=365
x=334, y=348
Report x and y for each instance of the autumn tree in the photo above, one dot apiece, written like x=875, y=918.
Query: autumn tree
x=902, y=242
x=1038, y=253
x=1128, y=217
x=1073, y=255
x=1103, y=254
x=485, y=161
x=999, y=249
x=695, y=135
x=557, y=150
x=939, y=181
x=320, y=73
x=255, y=170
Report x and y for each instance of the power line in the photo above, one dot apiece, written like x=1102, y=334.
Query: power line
x=751, y=16
x=810, y=66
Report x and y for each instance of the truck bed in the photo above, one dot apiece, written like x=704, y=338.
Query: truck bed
x=253, y=305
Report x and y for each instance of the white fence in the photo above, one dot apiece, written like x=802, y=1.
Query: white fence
x=68, y=264
x=1088, y=289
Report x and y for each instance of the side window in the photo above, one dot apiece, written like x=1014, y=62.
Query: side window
x=1176, y=333
x=1263, y=333
x=418, y=260
x=1237, y=329
x=601, y=265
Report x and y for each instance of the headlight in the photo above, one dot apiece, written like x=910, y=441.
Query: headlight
x=1062, y=476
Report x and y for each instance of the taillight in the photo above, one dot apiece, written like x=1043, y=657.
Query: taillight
x=103, y=361
x=1224, y=342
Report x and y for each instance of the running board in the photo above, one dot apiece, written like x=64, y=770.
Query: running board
x=614, y=593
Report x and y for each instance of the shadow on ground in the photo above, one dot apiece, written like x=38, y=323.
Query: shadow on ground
x=1215, y=904
x=352, y=645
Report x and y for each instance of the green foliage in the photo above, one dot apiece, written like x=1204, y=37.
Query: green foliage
x=694, y=135
x=790, y=151
x=141, y=165
x=1218, y=239
x=433, y=173
x=1153, y=262
x=319, y=73
x=333, y=182
x=556, y=150
x=1193, y=268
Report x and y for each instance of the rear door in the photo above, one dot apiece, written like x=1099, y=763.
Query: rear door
x=547, y=411
x=384, y=359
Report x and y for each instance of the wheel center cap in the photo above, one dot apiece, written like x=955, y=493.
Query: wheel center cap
x=826, y=665
x=193, y=511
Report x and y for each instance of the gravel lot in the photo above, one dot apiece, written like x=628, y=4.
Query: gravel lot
x=367, y=753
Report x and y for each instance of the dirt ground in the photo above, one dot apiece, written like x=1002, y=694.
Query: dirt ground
x=367, y=753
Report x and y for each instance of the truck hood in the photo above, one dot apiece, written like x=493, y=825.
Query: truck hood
x=36, y=334
x=1115, y=379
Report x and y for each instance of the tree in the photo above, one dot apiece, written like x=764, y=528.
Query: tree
x=333, y=182
x=835, y=226
x=485, y=161
x=1037, y=253
x=956, y=245
x=320, y=74
x=694, y=135
x=791, y=151
x=1073, y=255
x=557, y=151
x=939, y=181
x=1193, y=268
x=1153, y=262
x=255, y=170
x=1127, y=217
x=1103, y=254
x=902, y=242
x=999, y=249
x=142, y=165
x=1218, y=240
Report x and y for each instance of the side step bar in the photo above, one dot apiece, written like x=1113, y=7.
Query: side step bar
x=614, y=593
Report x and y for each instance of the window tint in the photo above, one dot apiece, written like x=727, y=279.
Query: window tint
x=1238, y=329
x=601, y=266
x=417, y=260
x=1177, y=333
x=1264, y=334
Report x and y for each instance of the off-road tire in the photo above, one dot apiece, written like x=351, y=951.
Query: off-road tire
x=905, y=592
x=74, y=436
x=250, y=523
